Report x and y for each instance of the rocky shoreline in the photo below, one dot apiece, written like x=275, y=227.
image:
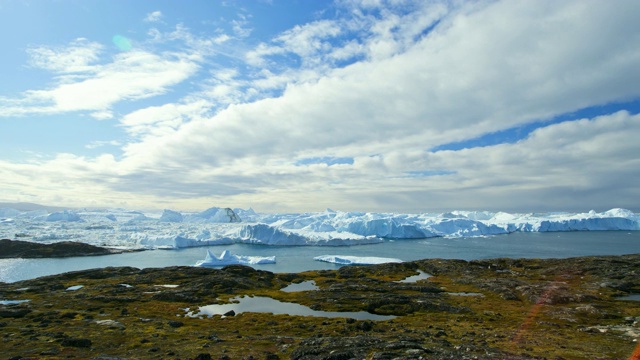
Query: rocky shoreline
x=30, y=250
x=485, y=309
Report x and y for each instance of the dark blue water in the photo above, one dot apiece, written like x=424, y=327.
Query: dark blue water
x=300, y=258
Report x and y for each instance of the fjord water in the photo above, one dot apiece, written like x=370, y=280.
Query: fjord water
x=300, y=258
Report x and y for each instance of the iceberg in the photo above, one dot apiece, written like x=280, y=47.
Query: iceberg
x=63, y=216
x=221, y=226
x=8, y=213
x=214, y=215
x=355, y=260
x=227, y=258
x=170, y=216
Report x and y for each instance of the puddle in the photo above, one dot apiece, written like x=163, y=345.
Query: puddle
x=308, y=285
x=465, y=294
x=12, y=302
x=259, y=304
x=168, y=286
x=74, y=288
x=414, y=278
x=632, y=297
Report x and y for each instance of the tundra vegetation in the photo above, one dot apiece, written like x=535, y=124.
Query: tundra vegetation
x=517, y=309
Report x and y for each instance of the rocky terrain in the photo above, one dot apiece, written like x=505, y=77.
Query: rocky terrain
x=489, y=309
x=27, y=249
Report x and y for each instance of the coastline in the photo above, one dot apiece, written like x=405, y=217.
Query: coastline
x=11, y=249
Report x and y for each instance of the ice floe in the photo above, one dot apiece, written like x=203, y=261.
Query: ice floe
x=355, y=260
x=227, y=258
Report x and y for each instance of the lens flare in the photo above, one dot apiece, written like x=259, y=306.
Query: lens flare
x=636, y=354
x=122, y=42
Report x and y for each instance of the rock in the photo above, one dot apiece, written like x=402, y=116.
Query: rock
x=27, y=249
x=13, y=313
x=230, y=313
x=76, y=342
x=176, y=296
x=51, y=352
x=588, y=309
x=175, y=324
x=335, y=347
x=110, y=323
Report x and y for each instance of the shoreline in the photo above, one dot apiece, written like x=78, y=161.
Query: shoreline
x=19, y=249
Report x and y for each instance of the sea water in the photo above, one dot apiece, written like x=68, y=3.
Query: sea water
x=300, y=258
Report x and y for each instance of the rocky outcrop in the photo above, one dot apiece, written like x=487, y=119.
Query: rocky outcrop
x=27, y=249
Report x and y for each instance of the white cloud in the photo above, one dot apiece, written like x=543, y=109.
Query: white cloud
x=97, y=144
x=240, y=26
x=131, y=75
x=485, y=67
x=102, y=115
x=154, y=16
x=460, y=82
x=311, y=38
x=79, y=56
x=162, y=119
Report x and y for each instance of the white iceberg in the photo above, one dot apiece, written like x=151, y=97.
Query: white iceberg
x=227, y=258
x=355, y=260
x=170, y=216
x=221, y=226
x=214, y=215
x=63, y=216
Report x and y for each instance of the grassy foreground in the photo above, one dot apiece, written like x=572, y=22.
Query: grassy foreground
x=521, y=309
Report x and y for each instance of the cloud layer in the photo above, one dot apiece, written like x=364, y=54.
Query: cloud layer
x=341, y=112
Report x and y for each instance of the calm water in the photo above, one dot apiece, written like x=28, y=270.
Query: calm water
x=300, y=258
x=260, y=304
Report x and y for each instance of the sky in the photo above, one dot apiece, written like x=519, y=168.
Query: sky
x=302, y=105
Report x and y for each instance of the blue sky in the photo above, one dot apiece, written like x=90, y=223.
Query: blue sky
x=290, y=106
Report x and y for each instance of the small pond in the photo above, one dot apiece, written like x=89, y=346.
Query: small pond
x=260, y=304
x=308, y=285
x=414, y=278
x=465, y=294
x=12, y=302
x=632, y=297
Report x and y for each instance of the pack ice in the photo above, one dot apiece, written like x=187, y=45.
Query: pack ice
x=222, y=226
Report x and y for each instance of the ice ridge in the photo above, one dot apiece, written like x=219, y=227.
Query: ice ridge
x=221, y=226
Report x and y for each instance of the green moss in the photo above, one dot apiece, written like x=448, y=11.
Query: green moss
x=538, y=308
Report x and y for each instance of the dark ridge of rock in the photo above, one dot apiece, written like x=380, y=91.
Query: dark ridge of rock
x=75, y=342
x=30, y=250
x=50, y=281
x=13, y=313
x=176, y=296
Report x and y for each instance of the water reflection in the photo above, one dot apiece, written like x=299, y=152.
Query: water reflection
x=414, y=278
x=632, y=297
x=260, y=304
x=308, y=285
x=12, y=302
x=465, y=294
